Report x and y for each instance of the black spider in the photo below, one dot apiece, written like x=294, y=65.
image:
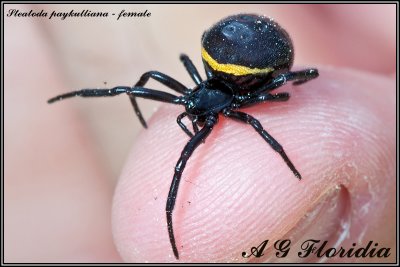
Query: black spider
x=245, y=56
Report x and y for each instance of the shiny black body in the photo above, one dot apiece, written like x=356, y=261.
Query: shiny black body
x=249, y=40
x=245, y=57
x=263, y=42
x=210, y=96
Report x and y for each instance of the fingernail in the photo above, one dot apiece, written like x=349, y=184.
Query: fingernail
x=328, y=220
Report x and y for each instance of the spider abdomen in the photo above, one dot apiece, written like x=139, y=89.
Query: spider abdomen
x=246, y=50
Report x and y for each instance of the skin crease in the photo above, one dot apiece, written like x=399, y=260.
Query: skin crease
x=62, y=161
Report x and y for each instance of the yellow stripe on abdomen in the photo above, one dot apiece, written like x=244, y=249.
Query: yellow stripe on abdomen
x=233, y=69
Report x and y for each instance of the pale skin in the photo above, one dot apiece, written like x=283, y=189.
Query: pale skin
x=59, y=192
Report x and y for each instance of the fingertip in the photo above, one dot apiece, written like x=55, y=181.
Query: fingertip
x=236, y=191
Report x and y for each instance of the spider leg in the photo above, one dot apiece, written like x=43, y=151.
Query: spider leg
x=162, y=78
x=182, y=125
x=298, y=77
x=195, y=126
x=209, y=74
x=255, y=99
x=135, y=91
x=241, y=116
x=190, y=67
x=303, y=76
x=180, y=166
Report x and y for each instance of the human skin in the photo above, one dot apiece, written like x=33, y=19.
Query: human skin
x=338, y=130
x=237, y=192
